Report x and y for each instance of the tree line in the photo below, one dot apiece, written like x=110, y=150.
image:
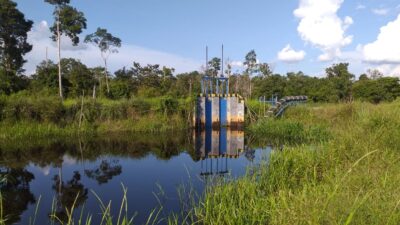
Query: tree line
x=70, y=78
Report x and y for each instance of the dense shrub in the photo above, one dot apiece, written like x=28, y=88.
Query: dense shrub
x=91, y=112
x=375, y=91
x=168, y=105
x=46, y=109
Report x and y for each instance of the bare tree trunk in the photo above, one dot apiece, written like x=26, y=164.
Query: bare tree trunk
x=81, y=114
x=236, y=84
x=190, y=87
x=59, y=55
x=100, y=83
x=250, y=86
x=229, y=77
x=94, y=91
x=105, y=72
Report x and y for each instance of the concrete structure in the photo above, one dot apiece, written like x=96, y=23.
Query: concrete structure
x=219, y=143
x=216, y=111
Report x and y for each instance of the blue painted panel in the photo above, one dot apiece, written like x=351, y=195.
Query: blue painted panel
x=208, y=113
x=222, y=141
x=223, y=112
x=208, y=142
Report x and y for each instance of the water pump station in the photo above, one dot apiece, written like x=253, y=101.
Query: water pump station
x=216, y=107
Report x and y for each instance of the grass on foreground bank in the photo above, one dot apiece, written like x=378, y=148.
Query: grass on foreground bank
x=352, y=178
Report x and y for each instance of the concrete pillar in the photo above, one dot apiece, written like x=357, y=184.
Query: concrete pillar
x=232, y=111
x=200, y=115
x=240, y=113
x=215, y=112
x=235, y=143
x=214, y=144
x=208, y=112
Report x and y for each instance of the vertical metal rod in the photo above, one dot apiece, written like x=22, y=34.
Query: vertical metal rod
x=222, y=61
x=206, y=61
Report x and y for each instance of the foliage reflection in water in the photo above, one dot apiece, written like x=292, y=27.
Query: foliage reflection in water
x=63, y=173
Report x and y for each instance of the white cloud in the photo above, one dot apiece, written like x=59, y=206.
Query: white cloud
x=237, y=63
x=321, y=27
x=353, y=56
x=360, y=6
x=39, y=37
x=386, y=49
x=389, y=69
x=384, y=52
x=381, y=11
x=289, y=55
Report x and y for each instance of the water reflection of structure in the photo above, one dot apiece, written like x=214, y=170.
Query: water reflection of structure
x=215, y=147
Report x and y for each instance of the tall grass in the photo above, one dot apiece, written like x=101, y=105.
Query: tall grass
x=350, y=178
x=23, y=117
x=344, y=171
x=82, y=217
x=287, y=131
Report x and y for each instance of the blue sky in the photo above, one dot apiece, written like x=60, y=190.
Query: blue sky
x=175, y=32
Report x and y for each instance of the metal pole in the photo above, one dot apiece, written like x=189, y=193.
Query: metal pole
x=206, y=72
x=222, y=61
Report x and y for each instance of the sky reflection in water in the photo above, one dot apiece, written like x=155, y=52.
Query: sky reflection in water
x=152, y=167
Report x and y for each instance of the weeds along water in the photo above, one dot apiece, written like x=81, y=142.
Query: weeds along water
x=24, y=117
x=339, y=165
x=349, y=178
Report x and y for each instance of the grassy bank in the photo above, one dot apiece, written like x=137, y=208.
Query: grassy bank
x=349, y=178
x=339, y=163
x=23, y=117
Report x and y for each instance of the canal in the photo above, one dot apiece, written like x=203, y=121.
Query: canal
x=158, y=170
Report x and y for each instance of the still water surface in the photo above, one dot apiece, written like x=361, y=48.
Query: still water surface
x=154, y=168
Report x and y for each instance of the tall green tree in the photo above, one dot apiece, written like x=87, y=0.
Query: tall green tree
x=377, y=90
x=228, y=71
x=374, y=74
x=265, y=70
x=14, y=30
x=250, y=61
x=68, y=21
x=107, y=44
x=46, y=78
x=123, y=85
x=298, y=84
x=80, y=78
x=342, y=79
x=77, y=78
x=188, y=84
x=274, y=84
x=214, y=66
x=13, y=46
